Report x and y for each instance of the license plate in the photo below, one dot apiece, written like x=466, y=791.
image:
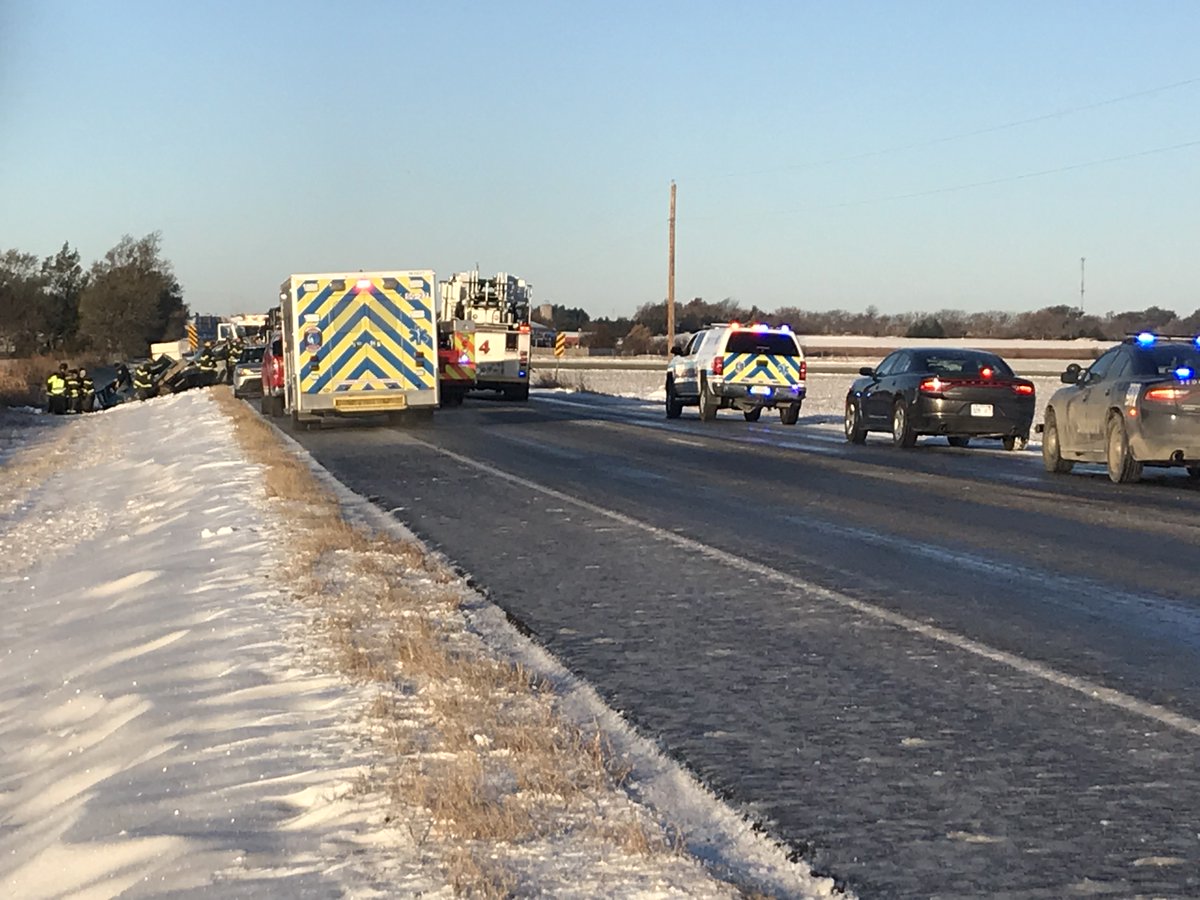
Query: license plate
x=370, y=404
x=760, y=390
x=981, y=409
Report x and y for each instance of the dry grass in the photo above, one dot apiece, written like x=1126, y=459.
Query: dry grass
x=491, y=762
x=22, y=381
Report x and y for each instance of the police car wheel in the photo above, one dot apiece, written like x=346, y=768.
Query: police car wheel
x=1194, y=472
x=1122, y=467
x=1052, y=459
x=752, y=415
x=674, y=405
x=856, y=431
x=902, y=430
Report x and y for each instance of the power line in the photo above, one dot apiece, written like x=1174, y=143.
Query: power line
x=992, y=181
x=945, y=139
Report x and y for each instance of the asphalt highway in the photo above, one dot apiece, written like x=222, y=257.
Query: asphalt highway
x=932, y=672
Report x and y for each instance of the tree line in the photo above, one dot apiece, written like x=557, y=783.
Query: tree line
x=130, y=298
x=637, y=334
x=117, y=306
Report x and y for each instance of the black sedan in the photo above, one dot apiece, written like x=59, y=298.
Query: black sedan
x=951, y=391
x=1137, y=405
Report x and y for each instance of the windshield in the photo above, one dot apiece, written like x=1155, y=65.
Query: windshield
x=251, y=355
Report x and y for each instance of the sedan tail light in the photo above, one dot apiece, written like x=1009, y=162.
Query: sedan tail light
x=1022, y=388
x=1165, y=394
x=933, y=385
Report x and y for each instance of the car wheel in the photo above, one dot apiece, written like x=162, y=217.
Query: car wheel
x=1194, y=472
x=959, y=441
x=674, y=404
x=1051, y=450
x=856, y=430
x=902, y=430
x=1122, y=467
x=708, y=403
x=752, y=415
x=789, y=415
x=1015, y=442
x=265, y=404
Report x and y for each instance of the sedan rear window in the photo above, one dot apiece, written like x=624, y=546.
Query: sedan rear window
x=967, y=364
x=771, y=342
x=1163, y=359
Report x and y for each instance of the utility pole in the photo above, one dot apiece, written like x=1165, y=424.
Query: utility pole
x=671, y=278
x=1082, y=260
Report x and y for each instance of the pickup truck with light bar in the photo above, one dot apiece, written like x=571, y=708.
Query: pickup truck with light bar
x=733, y=366
x=1137, y=405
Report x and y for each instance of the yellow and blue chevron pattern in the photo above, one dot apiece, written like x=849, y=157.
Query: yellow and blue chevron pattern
x=761, y=368
x=371, y=333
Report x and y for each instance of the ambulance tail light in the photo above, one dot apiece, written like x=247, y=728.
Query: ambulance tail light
x=718, y=365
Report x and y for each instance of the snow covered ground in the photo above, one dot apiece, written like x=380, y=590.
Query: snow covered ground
x=168, y=728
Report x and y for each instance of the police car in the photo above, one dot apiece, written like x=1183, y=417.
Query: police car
x=733, y=366
x=1137, y=405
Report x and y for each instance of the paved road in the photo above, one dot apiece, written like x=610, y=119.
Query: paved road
x=934, y=672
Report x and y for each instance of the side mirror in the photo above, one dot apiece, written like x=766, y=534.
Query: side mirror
x=1071, y=376
x=866, y=370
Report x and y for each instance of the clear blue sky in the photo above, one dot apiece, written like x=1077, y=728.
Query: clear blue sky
x=833, y=154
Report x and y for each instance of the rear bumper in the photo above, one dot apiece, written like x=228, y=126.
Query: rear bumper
x=1005, y=421
x=1165, y=438
x=780, y=394
x=365, y=403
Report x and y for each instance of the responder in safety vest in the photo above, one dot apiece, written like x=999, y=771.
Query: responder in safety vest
x=73, y=390
x=56, y=391
x=143, y=384
x=233, y=352
x=207, y=361
x=87, y=393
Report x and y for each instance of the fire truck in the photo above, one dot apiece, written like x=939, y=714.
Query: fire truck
x=499, y=310
x=358, y=344
x=456, y=360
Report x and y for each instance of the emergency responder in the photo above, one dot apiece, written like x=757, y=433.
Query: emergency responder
x=56, y=391
x=72, y=390
x=143, y=384
x=207, y=361
x=233, y=352
x=124, y=379
x=87, y=393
